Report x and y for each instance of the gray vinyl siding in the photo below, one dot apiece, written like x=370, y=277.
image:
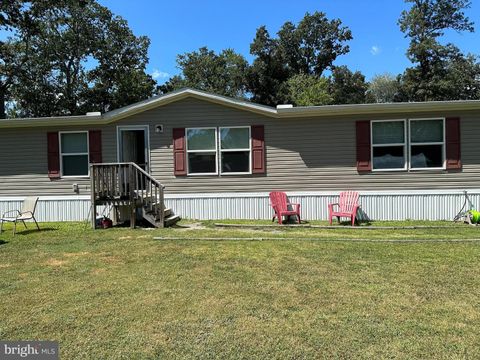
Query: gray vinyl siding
x=302, y=154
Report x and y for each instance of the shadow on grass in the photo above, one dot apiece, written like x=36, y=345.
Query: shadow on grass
x=357, y=223
x=3, y=242
x=32, y=231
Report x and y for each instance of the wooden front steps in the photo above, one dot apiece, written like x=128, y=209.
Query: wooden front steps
x=127, y=186
x=169, y=218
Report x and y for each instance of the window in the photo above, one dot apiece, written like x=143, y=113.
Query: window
x=202, y=151
x=427, y=143
x=74, y=153
x=388, y=145
x=225, y=150
x=235, y=150
x=425, y=140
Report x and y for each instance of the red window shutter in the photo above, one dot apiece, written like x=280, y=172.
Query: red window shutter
x=258, y=149
x=179, y=152
x=95, y=146
x=453, y=146
x=364, y=162
x=53, y=155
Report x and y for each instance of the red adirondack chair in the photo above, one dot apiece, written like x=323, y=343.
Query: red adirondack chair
x=280, y=205
x=347, y=207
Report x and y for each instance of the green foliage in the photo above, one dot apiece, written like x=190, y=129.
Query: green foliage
x=309, y=90
x=81, y=58
x=435, y=74
x=222, y=74
x=384, y=88
x=309, y=48
x=348, y=87
x=312, y=46
x=16, y=19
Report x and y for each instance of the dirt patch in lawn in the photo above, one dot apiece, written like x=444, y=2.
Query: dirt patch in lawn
x=191, y=226
x=76, y=254
x=55, y=262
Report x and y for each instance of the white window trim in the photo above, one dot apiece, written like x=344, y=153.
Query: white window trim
x=407, y=145
x=443, y=143
x=202, y=151
x=146, y=130
x=249, y=149
x=61, y=155
x=404, y=145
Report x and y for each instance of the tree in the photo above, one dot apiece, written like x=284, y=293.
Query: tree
x=313, y=45
x=348, y=87
x=268, y=74
x=309, y=90
x=222, y=73
x=120, y=78
x=15, y=20
x=424, y=23
x=309, y=48
x=81, y=58
x=455, y=76
x=384, y=88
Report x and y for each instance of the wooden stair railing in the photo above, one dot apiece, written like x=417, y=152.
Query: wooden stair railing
x=127, y=184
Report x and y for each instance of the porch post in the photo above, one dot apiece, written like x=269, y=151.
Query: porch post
x=93, y=207
x=131, y=186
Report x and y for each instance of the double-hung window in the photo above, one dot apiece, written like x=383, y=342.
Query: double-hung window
x=388, y=145
x=422, y=139
x=235, y=150
x=74, y=156
x=427, y=144
x=202, y=151
x=224, y=150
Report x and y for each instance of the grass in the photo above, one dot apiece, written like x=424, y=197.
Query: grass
x=119, y=293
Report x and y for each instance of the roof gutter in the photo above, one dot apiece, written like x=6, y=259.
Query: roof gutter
x=294, y=112
x=384, y=108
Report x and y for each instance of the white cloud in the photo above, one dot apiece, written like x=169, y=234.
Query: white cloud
x=375, y=50
x=157, y=74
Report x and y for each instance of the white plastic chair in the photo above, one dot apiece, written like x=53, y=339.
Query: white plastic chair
x=27, y=213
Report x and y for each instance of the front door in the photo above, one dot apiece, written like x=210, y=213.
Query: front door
x=133, y=145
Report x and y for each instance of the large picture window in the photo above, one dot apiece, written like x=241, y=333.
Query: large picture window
x=74, y=153
x=224, y=150
x=235, y=150
x=424, y=139
x=388, y=145
x=202, y=151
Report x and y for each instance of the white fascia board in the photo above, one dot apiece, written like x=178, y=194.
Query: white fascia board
x=295, y=112
x=379, y=109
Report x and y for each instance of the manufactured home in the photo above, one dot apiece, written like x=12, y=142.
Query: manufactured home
x=218, y=158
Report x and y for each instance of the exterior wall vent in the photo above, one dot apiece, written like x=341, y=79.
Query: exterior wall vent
x=285, y=106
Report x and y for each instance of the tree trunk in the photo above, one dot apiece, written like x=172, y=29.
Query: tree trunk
x=3, y=115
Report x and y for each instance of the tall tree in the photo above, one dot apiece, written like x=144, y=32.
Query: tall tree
x=120, y=78
x=384, y=88
x=348, y=87
x=82, y=58
x=222, y=73
x=424, y=23
x=268, y=74
x=309, y=90
x=16, y=20
x=310, y=47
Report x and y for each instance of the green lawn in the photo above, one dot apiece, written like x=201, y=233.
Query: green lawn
x=119, y=293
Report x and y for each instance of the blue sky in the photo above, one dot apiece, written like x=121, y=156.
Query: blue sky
x=177, y=26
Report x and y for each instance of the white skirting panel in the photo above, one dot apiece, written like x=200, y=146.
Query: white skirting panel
x=54, y=208
x=418, y=205
x=399, y=205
